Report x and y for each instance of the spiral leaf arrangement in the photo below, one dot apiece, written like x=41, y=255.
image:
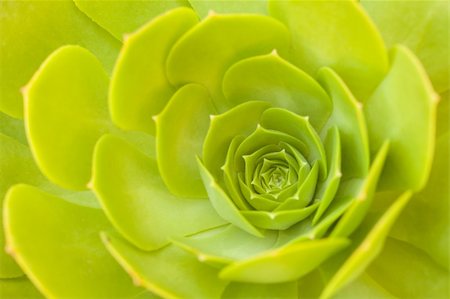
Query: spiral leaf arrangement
x=237, y=155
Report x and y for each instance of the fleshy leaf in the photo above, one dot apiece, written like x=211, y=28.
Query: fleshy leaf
x=348, y=116
x=428, y=210
x=58, y=246
x=18, y=288
x=12, y=127
x=278, y=219
x=408, y=272
x=44, y=26
x=236, y=290
x=137, y=202
x=240, y=120
x=139, y=87
x=121, y=17
x=363, y=287
x=221, y=246
x=222, y=203
x=403, y=110
x=299, y=127
x=367, y=250
x=224, y=39
x=363, y=197
x=284, y=264
x=160, y=270
x=66, y=112
x=326, y=190
x=181, y=129
x=203, y=8
x=338, y=35
x=270, y=78
x=422, y=26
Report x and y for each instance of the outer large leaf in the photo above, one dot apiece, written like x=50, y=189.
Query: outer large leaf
x=161, y=272
x=423, y=26
x=121, y=17
x=337, y=34
x=45, y=26
x=57, y=244
x=18, y=288
x=403, y=110
x=287, y=290
x=203, y=8
x=136, y=200
x=66, y=112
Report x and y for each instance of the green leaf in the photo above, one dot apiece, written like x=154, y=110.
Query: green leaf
x=425, y=223
x=367, y=250
x=272, y=79
x=422, y=26
x=326, y=190
x=299, y=127
x=223, y=245
x=348, y=117
x=66, y=112
x=121, y=17
x=58, y=246
x=12, y=127
x=44, y=26
x=205, y=7
x=136, y=200
x=236, y=290
x=403, y=110
x=363, y=287
x=180, y=131
x=363, y=197
x=278, y=219
x=338, y=35
x=204, y=53
x=18, y=288
x=240, y=120
x=408, y=272
x=222, y=203
x=139, y=87
x=284, y=264
x=161, y=272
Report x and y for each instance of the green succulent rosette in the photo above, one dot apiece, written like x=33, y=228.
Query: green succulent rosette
x=224, y=149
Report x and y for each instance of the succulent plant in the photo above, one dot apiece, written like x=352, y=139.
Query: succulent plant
x=224, y=149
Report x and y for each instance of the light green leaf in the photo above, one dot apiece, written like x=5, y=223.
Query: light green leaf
x=422, y=26
x=180, y=131
x=363, y=287
x=426, y=220
x=272, y=79
x=236, y=290
x=278, y=219
x=44, y=26
x=18, y=288
x=223, y=245
x=299, y=127
x=204, y=53
x=348, y=116
x=222, y=203
x=326, y=190
x=284, y=264
x=240, y=120
x=12, y=127
x=367, y=250
x=58, y=246
x=139, y=87
x=121, y=17
x=161, y=272
x=408, y=272
x=136, y=200
x=66, y=112
x=205, y=7
x=363, y=197
x=403, y=110
x=337, y=34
